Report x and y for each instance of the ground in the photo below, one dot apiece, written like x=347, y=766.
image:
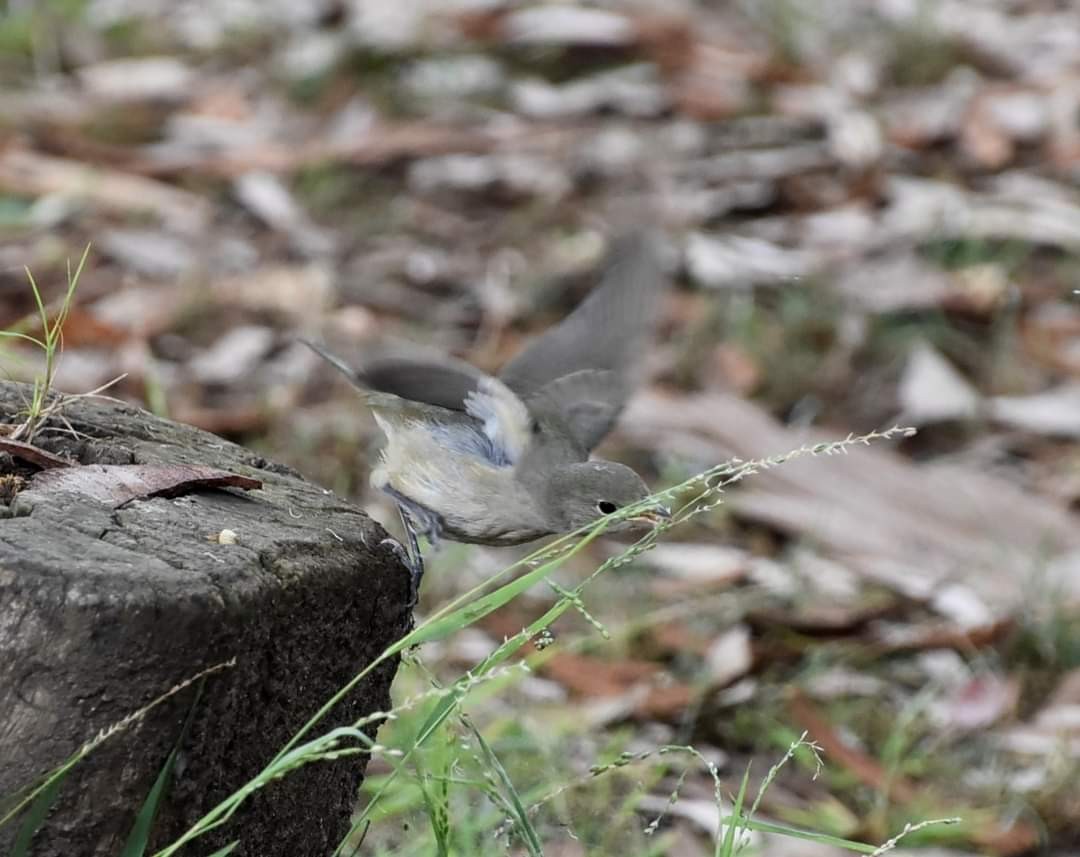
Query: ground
x=874, y=221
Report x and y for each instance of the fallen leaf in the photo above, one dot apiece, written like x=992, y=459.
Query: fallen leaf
x=267, y=197
x=825, y=617
x=839, y=682
x=1055, y=729
x=735, y=369
x=738, y=261
x=84, y=328
x=890, y=638
x=387, y=142
x=295, y=290
x=704, y=814
x=590, y=676
x=977, y=703
x=979, y=289
x=962, y=604
x=33, y=455
x=931, y=390
x=151, y=252
x=633, y=90
x=149, y=78
x=729, y=656
x=894, y=282
x=667, y=701
x=567, y=25
x=673, y=638
x=236, y=354
x=27, y=172
x=1051, y=335
x=118, y=484
x=1055, y=412
x=700, y=563
x=912, y=527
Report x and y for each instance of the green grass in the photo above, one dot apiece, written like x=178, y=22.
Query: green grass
x=33, y=804
x=29, y=33
x=50, y=341
x=455, y=782
x=443, y=705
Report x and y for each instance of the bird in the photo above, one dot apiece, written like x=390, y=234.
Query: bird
x=504, y=459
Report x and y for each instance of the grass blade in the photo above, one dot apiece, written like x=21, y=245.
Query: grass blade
x=42, y=314
x=807, y=835
x=14, y=334
x=435, y=792
x=726, y=847
x=139, y=838
x=521, y=815
x=66, y=303
x=35, y=815
x=228, y=849
x=472, y=605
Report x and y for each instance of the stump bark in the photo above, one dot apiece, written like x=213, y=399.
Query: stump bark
x=105, y=607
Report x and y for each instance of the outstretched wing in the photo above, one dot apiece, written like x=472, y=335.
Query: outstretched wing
x=451, y=395
x=588, y=364
x=582, y=403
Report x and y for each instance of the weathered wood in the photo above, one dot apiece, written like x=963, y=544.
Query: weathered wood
x=104, y=609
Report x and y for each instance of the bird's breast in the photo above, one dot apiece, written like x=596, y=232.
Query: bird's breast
x=478, y=502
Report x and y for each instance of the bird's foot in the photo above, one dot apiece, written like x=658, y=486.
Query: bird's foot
x=399, y=551
x=416, y=574
x=421, y=520
x=417, y=520
x=415, y=565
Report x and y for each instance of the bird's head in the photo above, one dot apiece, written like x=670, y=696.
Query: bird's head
x=577, y=494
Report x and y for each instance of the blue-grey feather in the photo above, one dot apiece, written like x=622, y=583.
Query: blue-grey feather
x=471, y=440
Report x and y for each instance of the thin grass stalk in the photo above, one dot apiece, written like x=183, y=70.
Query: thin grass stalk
x=473, y=605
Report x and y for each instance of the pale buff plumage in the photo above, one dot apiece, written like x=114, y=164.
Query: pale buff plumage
x=505, y=460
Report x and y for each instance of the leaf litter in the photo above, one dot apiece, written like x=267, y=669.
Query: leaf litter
x=875, y=220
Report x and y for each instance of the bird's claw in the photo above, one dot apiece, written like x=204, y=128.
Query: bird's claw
x=399, y=550
x=415, y=565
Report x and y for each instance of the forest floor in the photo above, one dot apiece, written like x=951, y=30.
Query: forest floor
x=875, y=216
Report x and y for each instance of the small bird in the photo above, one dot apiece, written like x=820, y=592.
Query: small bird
x=503, y=460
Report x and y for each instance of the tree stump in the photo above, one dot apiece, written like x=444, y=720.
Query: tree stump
x=106, y=606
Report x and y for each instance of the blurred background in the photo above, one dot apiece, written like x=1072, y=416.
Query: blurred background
x=874, y=212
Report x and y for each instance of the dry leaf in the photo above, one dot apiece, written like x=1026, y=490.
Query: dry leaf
x=1055, y=412
x=729, y=656
x=29, y=453
x=915, y=528
x=118, y=484
x=931, y=390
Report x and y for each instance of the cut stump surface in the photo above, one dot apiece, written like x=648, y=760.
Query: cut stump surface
x=105, y=606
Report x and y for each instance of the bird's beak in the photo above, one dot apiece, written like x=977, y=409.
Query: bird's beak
x=654, y=516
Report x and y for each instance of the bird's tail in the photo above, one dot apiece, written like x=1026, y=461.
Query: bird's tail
x=339, y=364
x=384, y=406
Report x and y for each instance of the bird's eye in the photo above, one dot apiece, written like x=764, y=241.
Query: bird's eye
x=605, y=507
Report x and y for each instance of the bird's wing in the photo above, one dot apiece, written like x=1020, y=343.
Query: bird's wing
x=444, y=392
x=582, y=403
x=606, y=334
x=443, y=382
x=505, y=418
